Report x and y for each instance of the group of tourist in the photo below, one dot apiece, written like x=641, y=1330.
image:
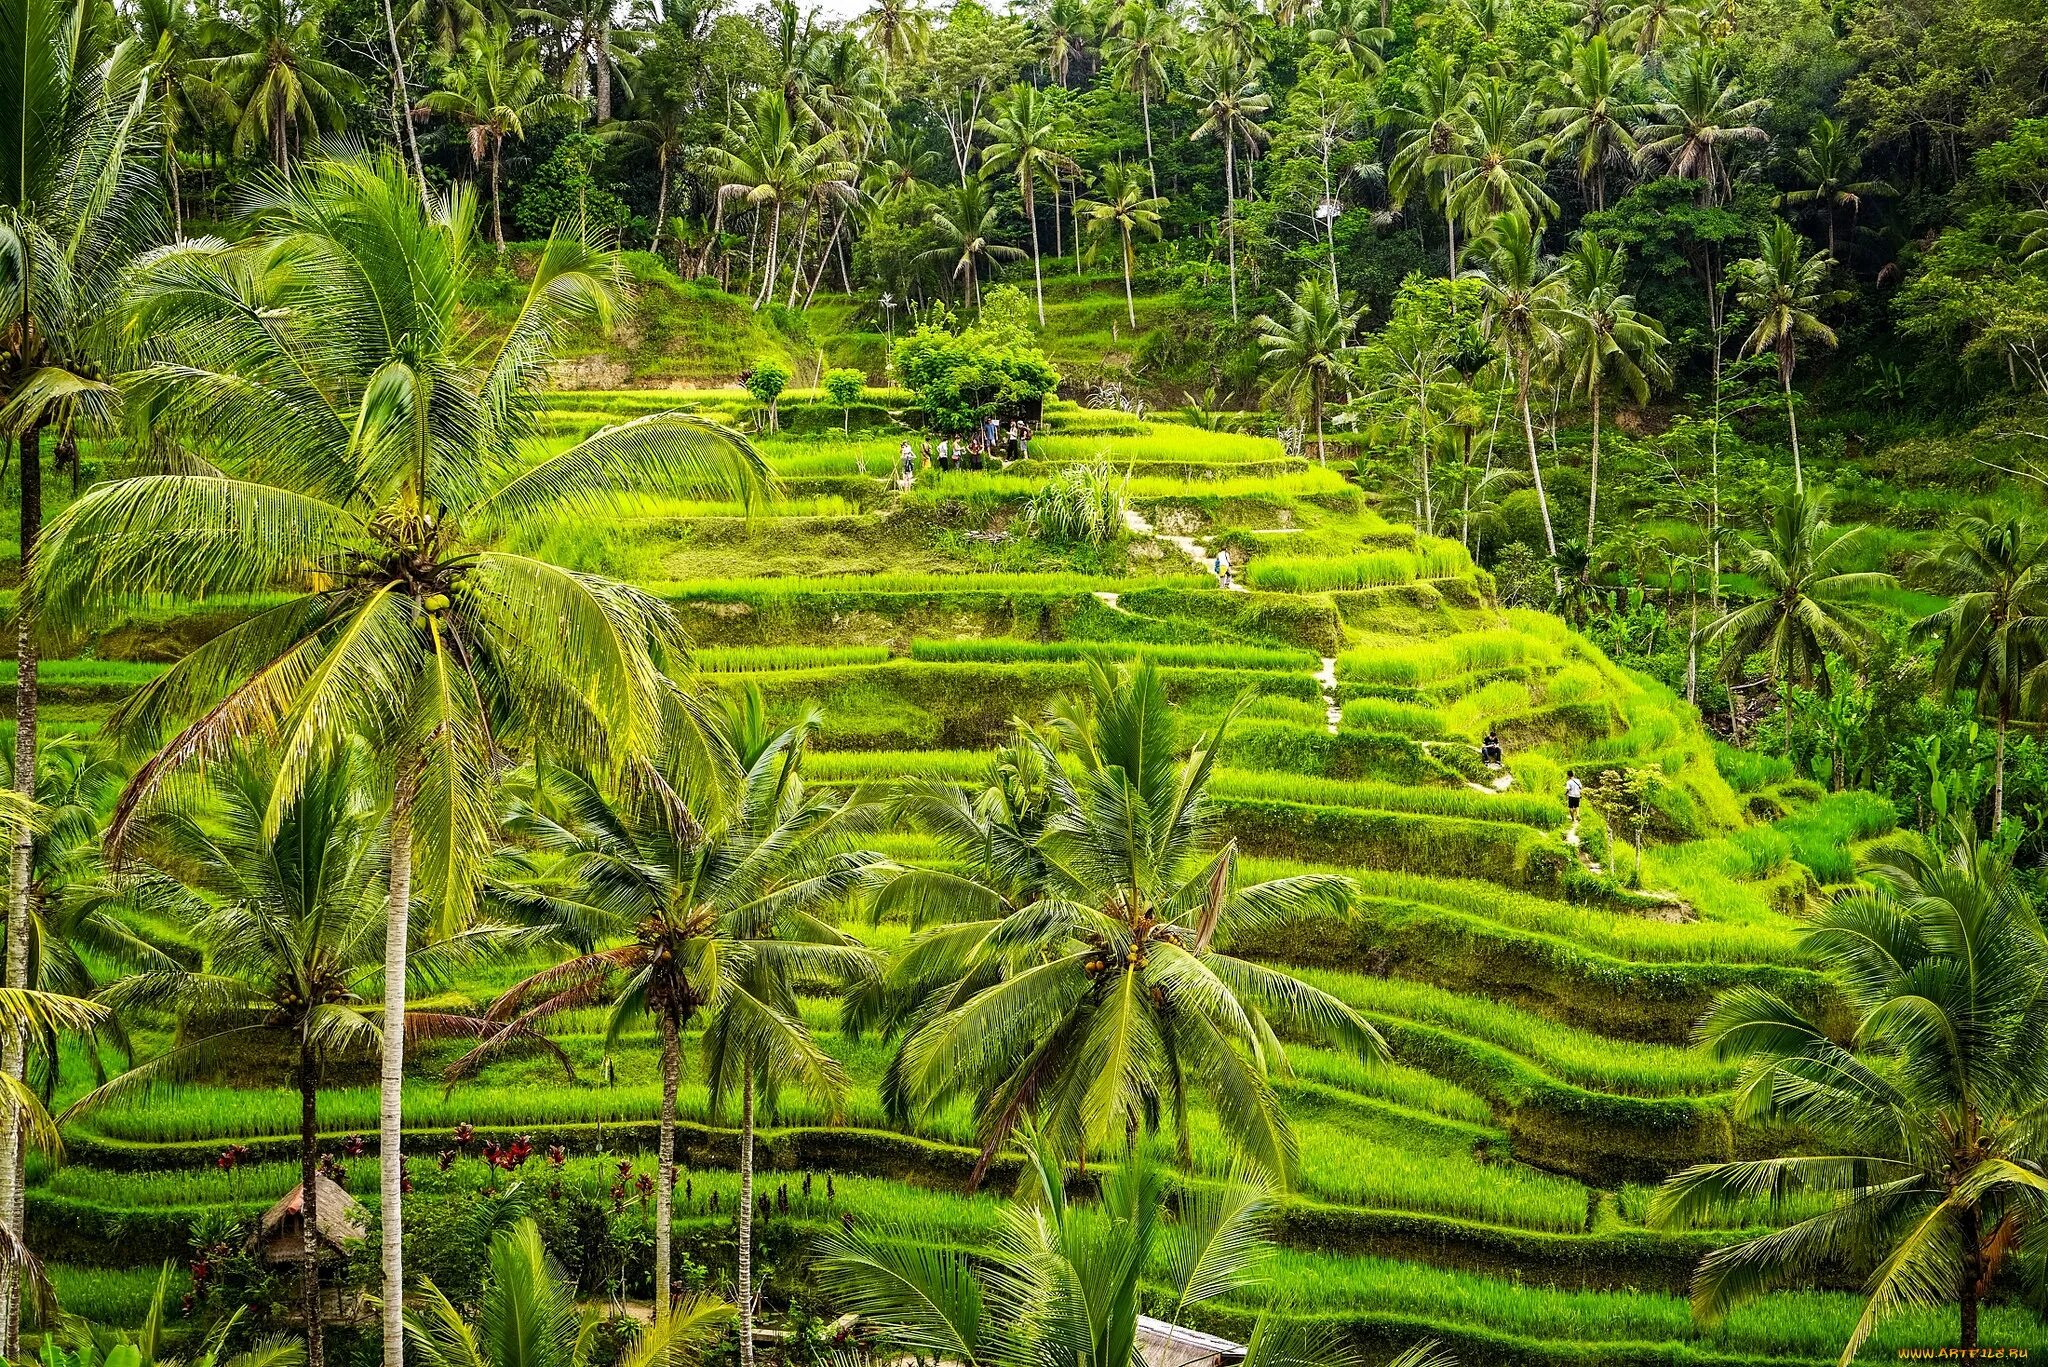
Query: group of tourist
x=993, y=444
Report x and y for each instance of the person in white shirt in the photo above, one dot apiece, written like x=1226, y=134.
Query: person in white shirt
x=1572, y=789
x=1223, y=568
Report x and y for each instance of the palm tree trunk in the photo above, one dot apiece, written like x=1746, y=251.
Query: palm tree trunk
x=604, y=68
x=177, y=199
x=1998, y=761
x=497, y=220
x=1130, y=306
x=1059, y=247
x=660, y=203
x=402, y=91
x=1792, y=425
x=1315, y=390
x=21, y=873
x=1145, y=110
x=309, y=1221
x=1593, y=471
x=1535, y=464
x=1970, y=1289
x=1230, y=214
x=665, y=1169
x=746, y=1242
x=768, y=273
x=1451, y=237
x=1031, y=213
x=391, y=1072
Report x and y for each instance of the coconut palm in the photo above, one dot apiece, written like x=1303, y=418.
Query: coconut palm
x=78, y=201
x=1812, y=606
x=1229, y=99
x=166, y=44
x=1125, y=210
x=289, y=921
x=1993, y=631
x=1595, y=115
x=1095, y=998
x=1831, y=167
x=2034, y=237
x=1140, y=40
x=1785, y=286
x=275, y=73
x=930, y=1302
x=707, y=866
x=897, y=28
x=1654, y=24
x=1021, y=142
x=1499, y=167
x=768, y=164
x=1065, y=29
x=527, y=1316
x=1519, y=295
x=1433, y=122
x=1308, y=346
x=965, y=219
x=1699, y=117
x=359, y=449
x=1599, y=336
x=1925, y=1151
x=1345, y=27
x=665, y=131
x=496, y=92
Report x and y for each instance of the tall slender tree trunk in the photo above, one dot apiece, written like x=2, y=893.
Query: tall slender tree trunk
x=1031, y=213
x=746, y=1248
x=401, y=92
x=177, y=199
x=665, y=1169
x=660, y=203
x=1316, y=402
x=309, y=1198
x=1593, y=471
x=604, y=68
x=1998, y=760
x=1145, y=111
x=1230, y=213
x=1059, y=247
x=497, y=220
x=1970, y=1290
x=1451, y=236
x=1535, y=464
x=391, y=1072
x=1792, y=424
x=1130, y=306
x=768, y=273
x=21, y=872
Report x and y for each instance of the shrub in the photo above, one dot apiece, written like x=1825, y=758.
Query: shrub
x=765, y=380
x=1082, y=503
x=844, y=388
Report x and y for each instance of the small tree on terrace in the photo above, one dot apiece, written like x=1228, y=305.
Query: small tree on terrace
x=845, y=387
x=766, y=380
x=1308, y=346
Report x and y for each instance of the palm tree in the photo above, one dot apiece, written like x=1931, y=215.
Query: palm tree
x=1230, y=101
x=2034, y=236
x=1344, y=27
x=1433, y=123
x=1594, y=114
x=495, y=93
x=1700, y=116
x=1652, y=24
x=1519, y=306
x=709, y=866
x=166, y=45
x=1021, y=142
x=1499, y=168
x=1139, y=42
x=1599, y=336
x=276, y=75
x=289, y=919
x=1831, y=166
x=897, y=28
x=1812, y=605
x=1093, y=996
x=1993, y=631
x=769, y=165
x=966, y=223
x=527, y=1317
x=73, y=215
x=1785, y=288
x=360, y=448
x=932, y=1303
x=1125, y=210
x=1308, y=346
x=666, y=133
x=1926, y=1149
x=1065, y=28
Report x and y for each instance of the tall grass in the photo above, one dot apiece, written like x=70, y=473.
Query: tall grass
x=923, y=585
x=1823, y=834
x=1211, y=655
x=1521, y=808
x=1417, y=663
x=762, y=659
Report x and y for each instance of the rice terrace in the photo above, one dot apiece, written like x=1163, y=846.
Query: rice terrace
x=1073, y=683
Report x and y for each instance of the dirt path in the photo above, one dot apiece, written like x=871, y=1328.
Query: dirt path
x=1194, y=550
x=1326, y=675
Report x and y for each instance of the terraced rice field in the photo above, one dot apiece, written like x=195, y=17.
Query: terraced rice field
x=1486, y=1188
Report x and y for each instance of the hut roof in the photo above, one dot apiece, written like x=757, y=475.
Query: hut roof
x=341, y=1217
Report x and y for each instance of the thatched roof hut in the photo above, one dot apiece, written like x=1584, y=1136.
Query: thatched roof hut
x=280, y=1236
x=1171, y=1345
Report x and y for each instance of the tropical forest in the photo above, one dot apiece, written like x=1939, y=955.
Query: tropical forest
x=1024, y=683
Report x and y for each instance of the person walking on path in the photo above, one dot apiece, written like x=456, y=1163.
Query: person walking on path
x=1572, y=789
